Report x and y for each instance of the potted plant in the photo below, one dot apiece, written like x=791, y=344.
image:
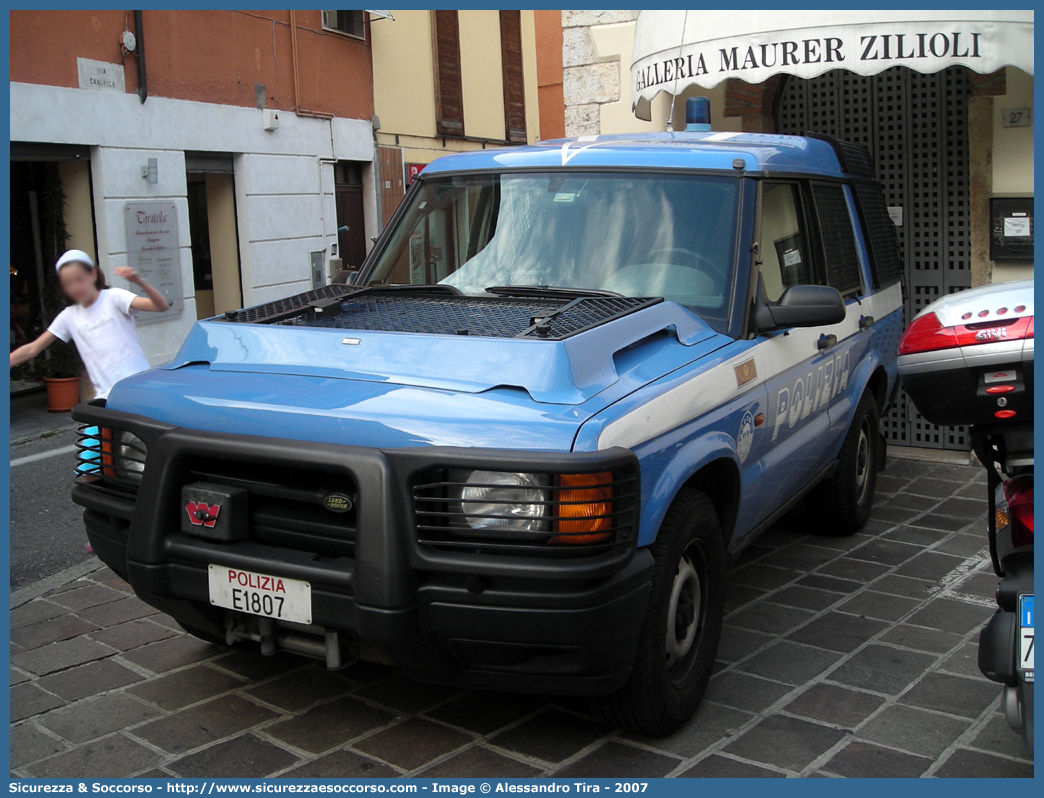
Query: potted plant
x=61, y=375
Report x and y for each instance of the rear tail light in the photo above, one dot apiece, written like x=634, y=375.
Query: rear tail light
x=927, y=334
x=1015, y=515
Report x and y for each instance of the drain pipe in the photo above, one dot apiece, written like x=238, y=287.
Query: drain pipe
x=297, y=74
x=139, y=33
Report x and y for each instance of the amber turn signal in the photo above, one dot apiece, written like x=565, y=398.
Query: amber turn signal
x=106, y=447
x=1001, y=518
x=585, y=509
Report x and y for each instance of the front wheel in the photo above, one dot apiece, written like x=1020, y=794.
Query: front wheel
x=842, y=503
x=202, y=634
x=682, y=625
x=1017, y=703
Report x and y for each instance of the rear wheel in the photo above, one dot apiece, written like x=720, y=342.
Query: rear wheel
x=842, y=503
x=679, y=635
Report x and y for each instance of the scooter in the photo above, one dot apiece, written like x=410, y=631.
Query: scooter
x=1006, y=644
x=967, y=359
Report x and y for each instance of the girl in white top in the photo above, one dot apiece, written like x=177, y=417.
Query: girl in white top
x=100, y=321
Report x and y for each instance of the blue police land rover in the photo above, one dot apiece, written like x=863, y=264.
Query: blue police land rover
x=572, y=381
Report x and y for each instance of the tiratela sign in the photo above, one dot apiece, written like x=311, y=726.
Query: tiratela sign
x=152, y=249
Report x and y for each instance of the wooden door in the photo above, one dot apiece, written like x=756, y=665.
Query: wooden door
x=351, y=229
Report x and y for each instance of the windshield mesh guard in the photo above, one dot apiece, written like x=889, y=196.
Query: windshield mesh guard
x=437, y=313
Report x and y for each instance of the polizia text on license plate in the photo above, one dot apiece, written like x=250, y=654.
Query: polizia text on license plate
x=260, y=594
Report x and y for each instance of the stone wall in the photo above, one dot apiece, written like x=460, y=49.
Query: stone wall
x=590, y=80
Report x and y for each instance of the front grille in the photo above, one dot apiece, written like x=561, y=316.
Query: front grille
x=438, y=313
x=441, y=516
x=109, y=460
x=286, y=507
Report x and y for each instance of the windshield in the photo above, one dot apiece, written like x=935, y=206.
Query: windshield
x=634, y=235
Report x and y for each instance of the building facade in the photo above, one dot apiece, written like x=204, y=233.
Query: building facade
x=450, y=81
x=218, y=151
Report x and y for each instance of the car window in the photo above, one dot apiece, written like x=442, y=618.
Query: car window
x=785, y=256
x=841, y=260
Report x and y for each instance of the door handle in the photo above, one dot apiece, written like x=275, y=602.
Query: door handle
x=865, y=322
x=826, y=341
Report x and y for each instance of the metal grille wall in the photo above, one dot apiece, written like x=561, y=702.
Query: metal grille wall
x=916, y=128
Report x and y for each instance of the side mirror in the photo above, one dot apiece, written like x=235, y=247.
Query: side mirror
x=800, y=306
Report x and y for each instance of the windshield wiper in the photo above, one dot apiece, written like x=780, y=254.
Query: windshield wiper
x=549, y=291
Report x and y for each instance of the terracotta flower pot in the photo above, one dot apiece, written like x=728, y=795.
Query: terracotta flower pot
x=63, y=394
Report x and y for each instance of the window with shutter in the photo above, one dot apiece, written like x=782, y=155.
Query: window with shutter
x=449, y=97
x=514, y=84
x=353, y=23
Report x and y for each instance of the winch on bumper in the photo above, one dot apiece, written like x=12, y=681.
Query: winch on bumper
x=421, y=556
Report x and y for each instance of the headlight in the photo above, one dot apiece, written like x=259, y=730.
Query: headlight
x=501, y=501
x=130, y=460
x=114, y=453
x=513, y=509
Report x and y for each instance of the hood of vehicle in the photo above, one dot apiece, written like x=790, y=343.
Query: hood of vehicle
x=357, y=412
x=568, y=371
x=394, y=389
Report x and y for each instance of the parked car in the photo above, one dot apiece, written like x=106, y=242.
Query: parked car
x=968, y=359
x=571, y=383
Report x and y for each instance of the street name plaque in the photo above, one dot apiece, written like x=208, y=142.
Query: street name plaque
x=152, y=249
x=100, y=76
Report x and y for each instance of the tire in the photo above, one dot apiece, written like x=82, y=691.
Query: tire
x=203, y=635
x=673, y=663
x=842, y=503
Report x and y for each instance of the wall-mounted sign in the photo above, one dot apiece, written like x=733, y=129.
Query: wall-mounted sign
x=895, y=213
x=412, y=170
x=316, y=264
x=100, y=75
x=1011, y=228
x=1016, y=117
x=674, y=49
x=152, y=250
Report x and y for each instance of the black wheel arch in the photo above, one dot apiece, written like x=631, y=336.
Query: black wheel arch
x=720, y=481
x=878, y=387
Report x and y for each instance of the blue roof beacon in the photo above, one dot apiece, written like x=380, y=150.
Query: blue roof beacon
x=697, y=115
x=570, y=384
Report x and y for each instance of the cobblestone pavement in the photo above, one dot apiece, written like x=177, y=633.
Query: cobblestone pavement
x=840, y=657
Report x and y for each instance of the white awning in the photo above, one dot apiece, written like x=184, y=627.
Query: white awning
x=382, y=14
x=677, y=49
